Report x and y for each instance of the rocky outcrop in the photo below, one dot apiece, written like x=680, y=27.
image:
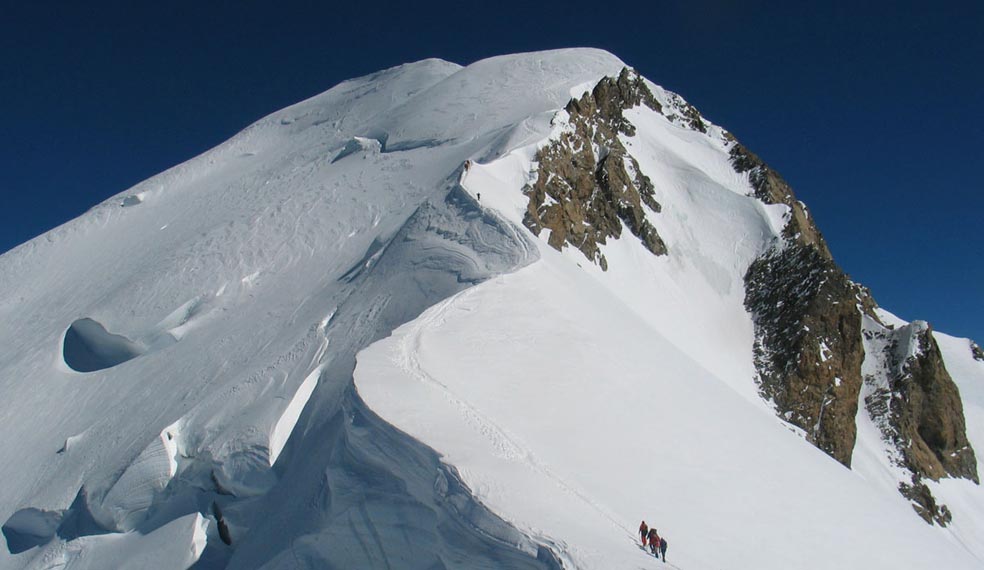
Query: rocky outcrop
x=918, y=409
x=930, y=415
x=808, y=349
x=766, y=183
x=770, y=188
x=587, y=186
x=925, y=503
x=691, y=116
x=975, y=350
x=809, y=354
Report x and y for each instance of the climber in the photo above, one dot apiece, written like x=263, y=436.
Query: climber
x=643, y=532
x=662, y=547
x=654, y=542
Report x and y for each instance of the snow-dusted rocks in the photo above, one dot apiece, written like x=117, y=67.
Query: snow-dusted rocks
x=808, y=346
x=586, y=187
x=177, y=375
x=915, y=405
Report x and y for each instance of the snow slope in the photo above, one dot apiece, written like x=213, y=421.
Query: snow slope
x=176, y=383
x=575, y=402
x=571, y=417
x=968, y=373
x=164, y=350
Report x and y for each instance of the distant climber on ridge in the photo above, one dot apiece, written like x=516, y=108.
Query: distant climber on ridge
x=662, y=547
x=643, y=532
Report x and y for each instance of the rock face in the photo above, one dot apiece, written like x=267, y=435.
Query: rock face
x=770, y=188
x=809, y=354
x=587, y=185
x=918, y=409
x=808, y=349
x=930, y=415
x=975, y=350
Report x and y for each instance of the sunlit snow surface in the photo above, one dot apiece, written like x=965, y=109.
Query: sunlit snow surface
x=576, y=402
x=177, y=363
x=573, y=419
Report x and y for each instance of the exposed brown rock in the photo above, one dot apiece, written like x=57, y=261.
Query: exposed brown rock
x=808, y=349
x=918, y=409
x=801, y=302
x=769, y=187
x=587, y=185
x=924, y=503
x=929, y=415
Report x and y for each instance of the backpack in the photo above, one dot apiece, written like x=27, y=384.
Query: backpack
x=662, y=543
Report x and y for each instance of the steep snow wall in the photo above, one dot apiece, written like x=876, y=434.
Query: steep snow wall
x=356, y=493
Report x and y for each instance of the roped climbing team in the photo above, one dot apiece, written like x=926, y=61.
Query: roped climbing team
x=650, y=537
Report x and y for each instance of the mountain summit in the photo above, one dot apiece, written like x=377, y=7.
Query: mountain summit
x=474, y=317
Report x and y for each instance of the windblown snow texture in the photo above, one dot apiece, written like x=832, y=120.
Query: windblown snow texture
x=191, y=354
x=331, y=342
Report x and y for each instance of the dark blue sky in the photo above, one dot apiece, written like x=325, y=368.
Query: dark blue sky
x=871, y=110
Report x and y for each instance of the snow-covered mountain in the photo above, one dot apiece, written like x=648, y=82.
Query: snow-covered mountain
x=474, y=317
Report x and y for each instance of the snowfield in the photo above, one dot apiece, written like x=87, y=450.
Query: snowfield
x=326, y=343
x=573, y=419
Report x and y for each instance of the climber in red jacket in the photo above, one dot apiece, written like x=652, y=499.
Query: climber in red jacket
x=654, y=542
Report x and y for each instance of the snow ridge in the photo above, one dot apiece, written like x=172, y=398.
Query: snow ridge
x=331, y=342
x=242, y=253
